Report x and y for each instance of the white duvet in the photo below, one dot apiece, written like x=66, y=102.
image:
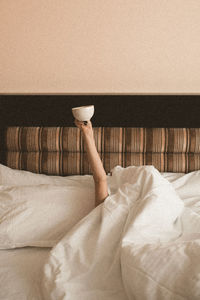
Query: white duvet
x=141, y=243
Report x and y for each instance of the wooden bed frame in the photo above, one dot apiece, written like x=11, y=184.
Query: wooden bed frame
x=37, y=132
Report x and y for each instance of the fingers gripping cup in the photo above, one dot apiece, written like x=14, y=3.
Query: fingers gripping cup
x=83, y=113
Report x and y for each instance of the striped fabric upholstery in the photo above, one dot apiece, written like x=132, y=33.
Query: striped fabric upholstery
x=61, y=150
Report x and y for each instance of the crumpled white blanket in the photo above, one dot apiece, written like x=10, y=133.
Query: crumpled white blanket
x=127, y=247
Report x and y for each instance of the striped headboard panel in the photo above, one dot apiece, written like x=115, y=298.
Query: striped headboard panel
x=60, y=150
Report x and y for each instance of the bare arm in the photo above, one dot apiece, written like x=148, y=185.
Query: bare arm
x=99, y=174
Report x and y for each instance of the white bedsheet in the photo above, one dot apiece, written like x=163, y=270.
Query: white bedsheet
x=98, y=258
x=150, y=271
x=21, y=272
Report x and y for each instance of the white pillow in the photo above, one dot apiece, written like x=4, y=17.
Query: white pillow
x=188, y=185
x=15, y=177
x=171, y=177
x=41, y=215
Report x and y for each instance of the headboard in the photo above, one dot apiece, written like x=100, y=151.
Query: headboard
x=37, y=133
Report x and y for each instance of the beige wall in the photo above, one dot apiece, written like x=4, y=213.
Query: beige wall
x=100, y=46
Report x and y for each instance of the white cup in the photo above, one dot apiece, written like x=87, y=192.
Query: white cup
x=83, y=113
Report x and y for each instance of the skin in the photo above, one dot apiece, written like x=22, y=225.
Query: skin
x=99, y=174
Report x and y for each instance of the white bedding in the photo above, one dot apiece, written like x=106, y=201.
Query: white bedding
x=21, y=273
x=109, y=255
x=40, y=215
x=105, y=256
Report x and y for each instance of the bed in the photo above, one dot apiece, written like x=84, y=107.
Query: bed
x=43, y=153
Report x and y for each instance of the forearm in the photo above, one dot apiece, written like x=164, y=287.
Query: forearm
x=95, y=162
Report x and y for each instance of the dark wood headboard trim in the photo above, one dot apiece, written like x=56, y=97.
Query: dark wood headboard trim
x=110, y=110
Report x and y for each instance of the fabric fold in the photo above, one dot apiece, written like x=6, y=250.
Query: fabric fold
x=88, y=263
